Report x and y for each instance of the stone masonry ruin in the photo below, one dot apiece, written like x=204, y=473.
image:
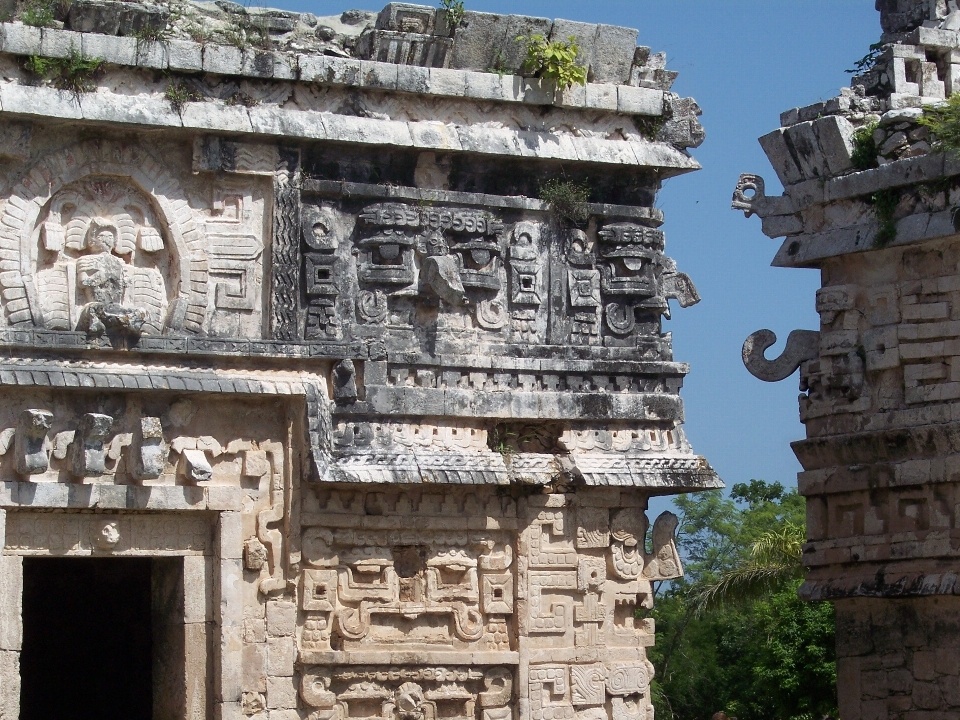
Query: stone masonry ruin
x=307, y=392
x=881, y=377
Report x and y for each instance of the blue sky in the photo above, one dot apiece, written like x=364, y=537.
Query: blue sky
x=744, y=62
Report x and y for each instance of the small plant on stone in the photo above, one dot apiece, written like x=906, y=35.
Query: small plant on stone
x=510, y=438
x=147, y=35
x=39, y=67
x=567, y=200
x=944, y=124
x=649, y=125
x=245, y=33
x=39, y=13
x=931, y=189
x=557, y=60
x=199, y=33
x=499, y=64
x=242, y=99
x=865, y=150
x=454, y=10
x=884, y=203
x=235, y=35
x=179, y=94
x=869, y=61
x=503, y=441
x=75, y=73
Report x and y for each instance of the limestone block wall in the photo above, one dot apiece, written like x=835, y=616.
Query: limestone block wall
x=871, y=202
x=897, y=657
x=282, y=311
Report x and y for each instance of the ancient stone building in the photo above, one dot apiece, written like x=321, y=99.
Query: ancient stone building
x=311, y=406
x=872, y=204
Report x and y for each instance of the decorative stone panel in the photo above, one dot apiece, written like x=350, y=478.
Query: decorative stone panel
x=878, y=380
x=384, y=420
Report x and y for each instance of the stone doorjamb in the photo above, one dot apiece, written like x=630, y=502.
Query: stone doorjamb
x=212, y=574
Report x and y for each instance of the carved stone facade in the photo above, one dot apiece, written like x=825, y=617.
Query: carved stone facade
x=879, y=380
x=382, y=423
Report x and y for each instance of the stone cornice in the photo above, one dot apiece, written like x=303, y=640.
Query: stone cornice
x=154, y=111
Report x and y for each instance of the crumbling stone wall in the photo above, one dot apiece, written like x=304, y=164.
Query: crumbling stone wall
x=872, y=203
x=280, y=303
x=898, y=656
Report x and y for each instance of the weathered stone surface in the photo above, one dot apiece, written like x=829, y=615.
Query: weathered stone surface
x=612, y=57
x=384, y=421
x=477, y=39
x=879, y=380
x=95, y=16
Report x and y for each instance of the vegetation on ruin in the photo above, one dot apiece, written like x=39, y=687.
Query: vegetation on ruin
x=499, y=64
x=454, y=11
x=146, y=35
x=557, y=60
x=199, y=32
x=869, y=61
x=245, y=32
x=884, y=203
x=75, y=73
x=732, y=635
x=865, y=150
x=41, y=13
x=567, y=200
x=511, y=438
x=179, y=93
x=242, y=99
x=649, y=125
x=944, y=123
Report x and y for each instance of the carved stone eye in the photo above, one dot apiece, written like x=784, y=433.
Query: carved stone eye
x=480, y=257
x=389, y=252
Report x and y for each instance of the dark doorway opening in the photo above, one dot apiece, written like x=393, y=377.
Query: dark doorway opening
x=87, y=640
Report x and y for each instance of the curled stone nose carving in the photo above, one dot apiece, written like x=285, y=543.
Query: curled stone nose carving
x=87, y=454
x=801, y=345
x=31, y=446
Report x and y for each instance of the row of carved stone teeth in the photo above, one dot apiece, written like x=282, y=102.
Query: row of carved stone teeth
x=85, y=449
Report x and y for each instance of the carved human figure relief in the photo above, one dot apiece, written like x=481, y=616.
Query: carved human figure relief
x=102, y=261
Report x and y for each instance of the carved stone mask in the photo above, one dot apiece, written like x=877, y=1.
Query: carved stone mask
x=101, y=237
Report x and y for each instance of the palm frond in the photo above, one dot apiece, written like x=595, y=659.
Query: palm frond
x=775, y=557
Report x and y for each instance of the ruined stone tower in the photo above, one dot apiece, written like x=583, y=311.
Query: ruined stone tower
x=311, y=406
x=871, y=202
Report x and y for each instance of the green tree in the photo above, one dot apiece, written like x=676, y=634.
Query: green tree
x=732, y=635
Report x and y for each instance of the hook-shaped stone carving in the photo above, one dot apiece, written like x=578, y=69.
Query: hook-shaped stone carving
x=149, y=452
x=87, y=454
x=748, y=183
x=801, y=345
x=345, y=381
x=31, y=446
